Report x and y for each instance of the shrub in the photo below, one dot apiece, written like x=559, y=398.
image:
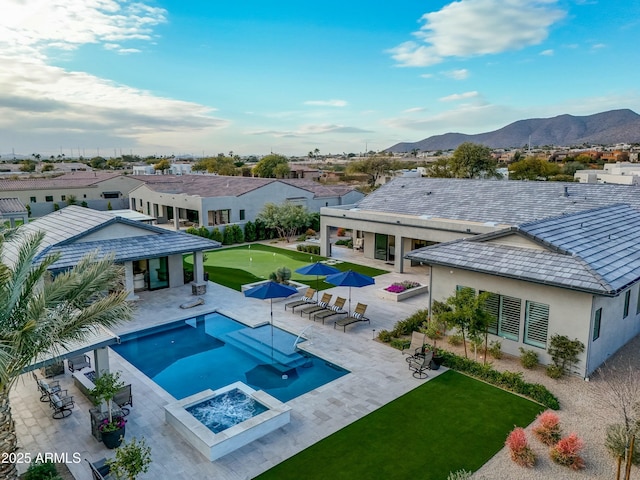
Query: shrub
x=547, y=428
x=344, y=242
x=617, y=442
x=384, y=336
x=227, y=236
x=455, y=340
x=312, y=249
x=310, y=232
x=554, y=371
x=250, y=232
x=495, y=349
x=203, y=232
x=192, y=231
x=301, y=238
x=564, y=353
x=42, y=471
x=216, y=235
x=519, y=448
x=410, y=324
x=528, y=358
x=56, y=207
x=460, y=475
x=566, y=452
x=399, y=343
x=341, y=232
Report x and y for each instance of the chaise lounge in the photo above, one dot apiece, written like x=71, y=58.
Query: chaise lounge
x=331, y=310
x=321, y=305
x=306, y=299
x=357, y=316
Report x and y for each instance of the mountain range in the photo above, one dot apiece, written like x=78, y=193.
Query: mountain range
x=606, y=128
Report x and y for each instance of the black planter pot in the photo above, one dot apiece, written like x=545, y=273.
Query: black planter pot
x=113, y=439
x=435, y=363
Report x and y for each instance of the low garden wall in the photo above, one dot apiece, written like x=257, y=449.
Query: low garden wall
x=408, y=293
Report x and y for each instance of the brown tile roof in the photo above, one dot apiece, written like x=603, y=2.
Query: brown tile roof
x=68, y=180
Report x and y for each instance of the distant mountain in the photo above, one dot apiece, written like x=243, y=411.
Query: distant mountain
x=615, y=126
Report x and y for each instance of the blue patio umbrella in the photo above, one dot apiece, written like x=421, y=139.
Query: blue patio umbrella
x=268, y=291
x=317, y=269
x=349, y=278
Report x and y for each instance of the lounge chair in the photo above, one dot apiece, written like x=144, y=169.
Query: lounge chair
x=331, y=310
x=416, y=348
x=419, y=364
x=321, y=305
x=306, y=299
x=357, y=316
x=46, y=388
x=61, y=403
x=100, y=469
x=123, y=397
x=79, y=362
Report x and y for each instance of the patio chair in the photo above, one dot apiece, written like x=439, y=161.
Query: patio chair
x=123, y=397
x=100, y=469
x=419, y=364
x=46, y=388
x=79, y=362
x=62, y=404
x=416, y=348
x=321, y=305
x=306, y=299
x=356, y=316
x=331, y=310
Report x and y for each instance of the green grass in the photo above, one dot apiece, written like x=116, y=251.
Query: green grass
x=449, y=423
x=236, y=266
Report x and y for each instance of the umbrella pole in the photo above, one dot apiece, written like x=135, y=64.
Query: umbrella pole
x=271, y=300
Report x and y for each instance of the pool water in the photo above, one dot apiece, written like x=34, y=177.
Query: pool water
x=226, y=410
x=213, y=350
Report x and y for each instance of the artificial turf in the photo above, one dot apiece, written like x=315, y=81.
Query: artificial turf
x=450, y=423
x=237, y=266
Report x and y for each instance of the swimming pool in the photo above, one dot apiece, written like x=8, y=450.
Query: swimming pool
x=213, y=350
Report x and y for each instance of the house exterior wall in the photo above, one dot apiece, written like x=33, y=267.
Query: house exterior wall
x=570, y=312
x=117, y=230
x=176, y=271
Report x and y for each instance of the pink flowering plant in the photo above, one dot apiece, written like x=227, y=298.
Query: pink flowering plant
x=399, y=287
x=111, y=426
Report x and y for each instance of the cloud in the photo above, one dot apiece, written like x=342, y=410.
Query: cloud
x=459, y=74
x=414, y=110
x=305, y=130
x=326, y=103
x=427, y=75
x=468, y=28
x=547, y=53
x=459, y=96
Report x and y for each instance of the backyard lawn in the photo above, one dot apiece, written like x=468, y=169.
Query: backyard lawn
x=236, y=266
x=447, y=424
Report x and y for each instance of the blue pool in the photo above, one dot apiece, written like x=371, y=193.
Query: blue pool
x=212, y=351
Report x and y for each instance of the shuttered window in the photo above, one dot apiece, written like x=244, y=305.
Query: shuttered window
x=509, y=319
x=536, y=324
x=492, y=306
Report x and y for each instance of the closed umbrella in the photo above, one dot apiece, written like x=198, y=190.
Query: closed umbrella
x=350, y=279
x=317, y=269
x=270, y=290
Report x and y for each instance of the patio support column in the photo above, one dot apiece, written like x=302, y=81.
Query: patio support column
x=128, y=280
x=325, y=240
x=176, y=218
x=199, y=286
x=398, y=263
x=101, y=365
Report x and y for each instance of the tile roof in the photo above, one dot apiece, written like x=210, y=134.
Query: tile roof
x=68, y=180
x=501, y=202
x=594, y=251
x=11, y=205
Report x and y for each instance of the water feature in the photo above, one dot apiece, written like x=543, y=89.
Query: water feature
x=226, y=410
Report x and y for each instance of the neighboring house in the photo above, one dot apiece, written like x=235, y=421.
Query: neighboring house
x=12, y=209
x=410, y=213
x=576, y=275
x=214, y=200
x=152, y=256
x=621, y=173
x=97, y=189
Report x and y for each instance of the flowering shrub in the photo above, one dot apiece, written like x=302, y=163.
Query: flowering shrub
x=116, y=424
x=566, y=452
x=519, y=448
x=547, y=429
x=400, y=287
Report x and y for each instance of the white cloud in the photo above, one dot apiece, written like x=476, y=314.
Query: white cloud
x=326, y=103
x=427, y=75
x=305, y=130
x=547, y=53
x=459, y=96
x=460, y=74
x=414, y=110
x=467, y=28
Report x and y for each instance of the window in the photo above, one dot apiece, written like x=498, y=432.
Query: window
x=536, y=324
x=638, y=302
x=506, y=311
x=241, y=214
x=48, y=198
x=63, y=197
x=218, y=217
x=111, y=194
x=596, y=324
x=33, y=200
x=627, y=296
x=459, y=288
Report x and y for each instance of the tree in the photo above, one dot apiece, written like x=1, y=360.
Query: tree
x=47, y=168
x=72, y=200
x=440, y=169
x=532, y=168
x=373, y=167
x=98, y=163
x=115, y=163
x=132, y=459
x=471, y=160
x=162, y=165
x=285, y=218
x=40, y=313
x=27, y=166
x=266, y=167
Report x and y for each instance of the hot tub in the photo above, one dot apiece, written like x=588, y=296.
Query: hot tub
x=218, y=438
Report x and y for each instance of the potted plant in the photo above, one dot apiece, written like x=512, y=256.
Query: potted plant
x=132, y=459
x=111, y=428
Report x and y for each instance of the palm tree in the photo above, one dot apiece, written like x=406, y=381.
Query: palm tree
x=40, y=314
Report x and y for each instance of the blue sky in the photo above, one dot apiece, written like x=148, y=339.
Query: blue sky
x=202, y=77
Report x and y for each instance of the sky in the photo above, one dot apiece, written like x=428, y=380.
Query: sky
x=202, y=77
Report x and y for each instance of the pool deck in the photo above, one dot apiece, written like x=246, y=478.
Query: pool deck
x=378, y=375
